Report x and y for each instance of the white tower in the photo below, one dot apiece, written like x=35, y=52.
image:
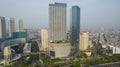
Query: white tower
x=20, y=24
x=44, y=39
x=2, y=27
x=57, y=18
x=84, y=41
x=11, y=26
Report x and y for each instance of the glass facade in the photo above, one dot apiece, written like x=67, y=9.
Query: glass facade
x=75, y=29
x=52, y=53
x=19, y=35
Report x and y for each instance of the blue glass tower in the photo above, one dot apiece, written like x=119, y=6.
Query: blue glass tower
x=75, y=26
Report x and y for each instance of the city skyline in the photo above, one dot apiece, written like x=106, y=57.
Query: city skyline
x=68, y=33
x=93, y=14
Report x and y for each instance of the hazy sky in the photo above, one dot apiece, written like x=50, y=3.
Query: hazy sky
x=94, y=13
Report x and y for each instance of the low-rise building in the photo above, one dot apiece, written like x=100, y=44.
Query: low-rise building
x=59, y=50
x=115, y=50
x=27, y=48
x=88, y=53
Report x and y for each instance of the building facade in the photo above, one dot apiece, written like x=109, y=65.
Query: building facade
x=114, y=49
x=11, y=26
x=7, y=53
x=75, y=25
x=59, y=50
x=27, y=48
x=19, y=35
x=84, y=41
x=2, y=27
x=20, y=25
x=44, y=39
x=22, y=36
x=57, y=19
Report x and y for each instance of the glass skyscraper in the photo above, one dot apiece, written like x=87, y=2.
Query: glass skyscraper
x=75, y=25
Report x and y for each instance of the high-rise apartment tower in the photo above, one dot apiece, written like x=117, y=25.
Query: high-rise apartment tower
x=11, y=26
x=2, y=27
x=57, y=19
x=44, y=39
x=20, y=24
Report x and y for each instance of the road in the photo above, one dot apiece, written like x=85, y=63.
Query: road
x=32, y=64
x=113, y=64
x=36, y=53
x=40, y=60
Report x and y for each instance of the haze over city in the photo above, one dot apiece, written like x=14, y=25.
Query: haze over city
x=59, y=33
x=94, y=13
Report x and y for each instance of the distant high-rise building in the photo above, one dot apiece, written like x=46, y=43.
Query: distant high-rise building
x=44, y=39
x=11, y=26
x=57, y=19
x=84, y=41
x=20, y=24
x=102, y=39
x=75, y=25
x=2, y=27
x=28, y=34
